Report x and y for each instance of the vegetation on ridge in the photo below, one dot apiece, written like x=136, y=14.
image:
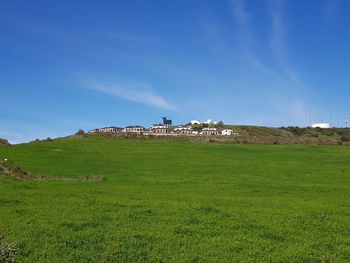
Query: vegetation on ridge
x=4, y=142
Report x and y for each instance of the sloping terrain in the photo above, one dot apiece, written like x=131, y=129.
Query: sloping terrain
x=177, y=201
x=252, y=135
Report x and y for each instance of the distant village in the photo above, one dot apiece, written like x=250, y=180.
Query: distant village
x=194, y=127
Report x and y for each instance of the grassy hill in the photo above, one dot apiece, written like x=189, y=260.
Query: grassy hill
x=290, y=135
x=177, y=201
x=258, y=135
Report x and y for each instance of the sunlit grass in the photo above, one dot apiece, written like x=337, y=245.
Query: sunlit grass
x=178, y=202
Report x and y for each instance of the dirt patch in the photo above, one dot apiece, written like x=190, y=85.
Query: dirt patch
x=9, y=169
x=7, y=251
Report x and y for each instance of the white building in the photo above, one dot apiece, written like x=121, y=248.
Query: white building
x=93, y=131
x=209, y=131
x=134, y=129
x=209, y=122
x=228, y=132
x=159, y=128
x=194, y=122
x=183, y=130
x=321, y=125
x=107, y=130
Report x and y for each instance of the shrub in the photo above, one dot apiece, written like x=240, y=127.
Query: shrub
x=197, y=127
x=7, y=251
x=318, y=129
x=296, y=130
x=4, y=142
x=80, y=132
x=340, y=132
x=275, y=141
x=221, y=124
x=345, y=138
x=329, y=132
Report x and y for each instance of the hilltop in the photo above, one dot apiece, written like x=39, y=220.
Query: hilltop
x=243, y=134
x=292, y=135
x=250, y=135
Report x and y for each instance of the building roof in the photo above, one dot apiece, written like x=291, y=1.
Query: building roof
x=135, y=126
x=159, y=126
x=183, y=128
x=209, y=129
x=321, y=125
x=112, y=127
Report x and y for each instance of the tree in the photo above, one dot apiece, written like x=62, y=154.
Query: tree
x=197, y=127
x=345, y=138
x=221, y=124
x=80, y=132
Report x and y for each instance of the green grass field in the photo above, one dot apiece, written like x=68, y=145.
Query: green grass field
x=177, y=202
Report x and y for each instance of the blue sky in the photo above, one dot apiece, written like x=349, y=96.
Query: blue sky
x=66, y=65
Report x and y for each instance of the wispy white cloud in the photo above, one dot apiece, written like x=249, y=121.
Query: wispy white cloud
x=246, y=38
x=243, y=21
x=278, y=36
x=284, y=92
x=136, y=92
x=331, y=7
x=240, y=13
x=258, y=64
x=278, y=41
x=245, y=34
x=292, y=75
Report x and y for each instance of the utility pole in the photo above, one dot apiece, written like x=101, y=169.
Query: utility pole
x=310, y=117
x=346, y=121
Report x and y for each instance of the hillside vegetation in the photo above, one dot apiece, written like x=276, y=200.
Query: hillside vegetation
x=255, y=135
x=176, y=201
x=291, y=135
x=4, y=142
